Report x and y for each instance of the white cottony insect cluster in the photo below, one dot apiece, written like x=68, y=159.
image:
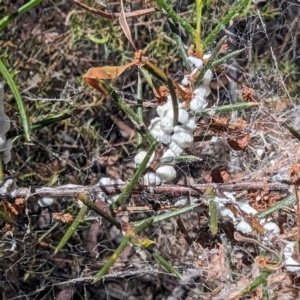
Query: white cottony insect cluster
x=5, y=145
x=176, y=137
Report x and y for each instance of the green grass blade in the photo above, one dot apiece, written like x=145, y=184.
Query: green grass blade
x=23, y=9
x=20, y=104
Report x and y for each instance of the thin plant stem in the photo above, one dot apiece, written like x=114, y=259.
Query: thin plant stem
x=213, y=212
x=226, y=57
x=139, y=139
x=174, y=102
x=142, y=130
x=129, y=112
x=48, y=231
x=208, y=65
x=171, y=214
x=160, y=75
x=1, y=169
x=126, y=238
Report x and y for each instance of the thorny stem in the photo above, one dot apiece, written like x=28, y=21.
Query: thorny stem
x=71, y=229
x=83, y=197
x=137, y=174
x=166, y=189
x=208, y=65
x=112, y=259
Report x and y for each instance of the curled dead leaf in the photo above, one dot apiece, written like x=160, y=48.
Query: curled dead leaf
x=294, y=174
x=240, y=142
x=65, y=218
x=93, y=75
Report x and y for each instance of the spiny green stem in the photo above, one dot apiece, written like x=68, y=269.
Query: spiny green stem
x=104, y=270
x=224, y=22
x=166, y=264
x=83, y=197
x=171, y=214
x=131, y=114
x=279, y=205
x=127, y=191
x=208, y=65
x=166, y=6
x=121, y=248
x=260, y=280
x=71, y=229
x=182, y=51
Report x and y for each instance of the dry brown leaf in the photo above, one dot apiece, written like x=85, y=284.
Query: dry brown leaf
x=65, y=218
x=125, y=27
x=239, y=143
x=162, y=93
x=294, y=174
x=11, y=210
x=93, y=75
x=107, y=72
